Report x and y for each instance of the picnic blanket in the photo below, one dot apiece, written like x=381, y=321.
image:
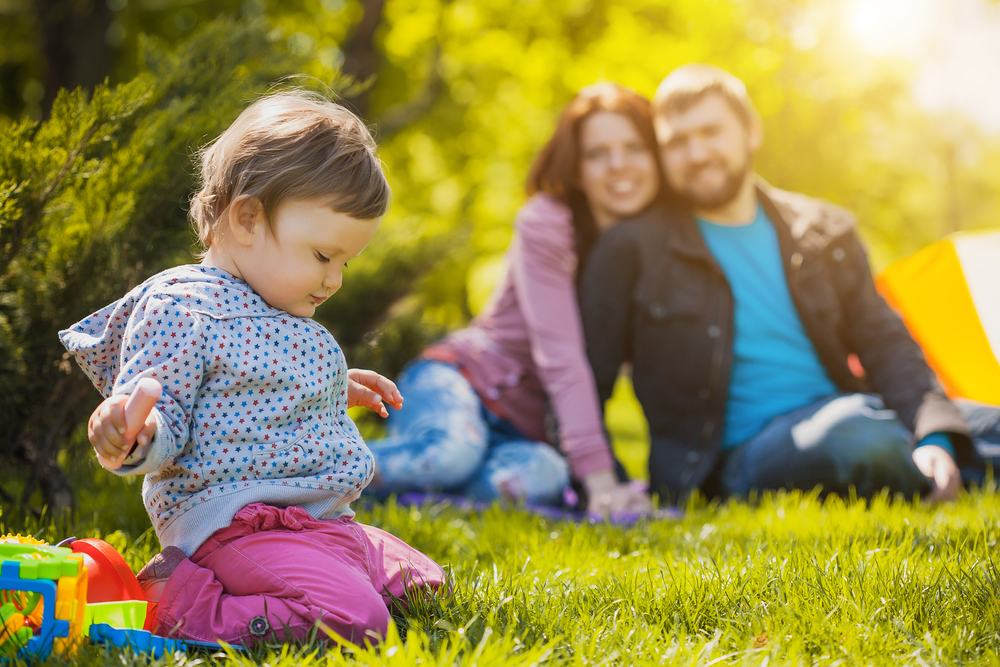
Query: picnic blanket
x=557, y=513
x=948, y=295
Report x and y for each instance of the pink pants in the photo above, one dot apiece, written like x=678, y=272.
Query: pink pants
x=273, y=573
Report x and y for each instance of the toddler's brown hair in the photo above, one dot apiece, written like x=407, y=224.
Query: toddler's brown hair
x=290, y=145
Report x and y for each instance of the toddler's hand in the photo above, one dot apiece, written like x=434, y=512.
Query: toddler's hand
x=369, y=389
x=123, y=420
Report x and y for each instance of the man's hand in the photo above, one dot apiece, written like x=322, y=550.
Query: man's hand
x=122, y=421
x=607, y=497
x=939, y=467
x=368, y=389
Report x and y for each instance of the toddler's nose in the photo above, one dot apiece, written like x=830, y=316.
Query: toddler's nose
x=333, y=281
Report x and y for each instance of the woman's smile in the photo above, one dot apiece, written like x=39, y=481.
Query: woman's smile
x=624, y=187
x=618, y=173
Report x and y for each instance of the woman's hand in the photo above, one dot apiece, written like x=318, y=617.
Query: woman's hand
x=606, y=496
x=123, y=421
x=368, y=389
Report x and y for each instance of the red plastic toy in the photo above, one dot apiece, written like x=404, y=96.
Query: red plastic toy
x=111, y=579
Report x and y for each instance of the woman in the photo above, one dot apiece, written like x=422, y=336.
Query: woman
x=474, y=421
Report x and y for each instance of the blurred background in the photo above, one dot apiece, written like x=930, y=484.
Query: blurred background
x=890, y=108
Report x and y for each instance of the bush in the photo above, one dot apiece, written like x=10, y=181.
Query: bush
x=93, y=201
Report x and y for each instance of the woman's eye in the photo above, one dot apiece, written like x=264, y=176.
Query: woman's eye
x=321, y=257
x=597, y=154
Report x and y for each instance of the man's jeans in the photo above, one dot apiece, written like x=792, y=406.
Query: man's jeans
x=443, y=439
x=984, y=427
x=839, y=442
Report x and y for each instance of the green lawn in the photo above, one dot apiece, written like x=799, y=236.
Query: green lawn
x=785, y=579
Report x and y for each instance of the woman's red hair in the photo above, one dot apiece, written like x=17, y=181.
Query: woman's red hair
x=556, y=170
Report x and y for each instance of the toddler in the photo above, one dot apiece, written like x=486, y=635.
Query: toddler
x=233, y=403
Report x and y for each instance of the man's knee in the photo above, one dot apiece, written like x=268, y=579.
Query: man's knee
x=884, y=460
x=851, y=423
x=866, y=445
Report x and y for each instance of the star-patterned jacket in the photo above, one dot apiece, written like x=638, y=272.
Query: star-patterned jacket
x=254, y=404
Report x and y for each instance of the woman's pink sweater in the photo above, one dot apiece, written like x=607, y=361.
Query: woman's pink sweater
x=525, y=351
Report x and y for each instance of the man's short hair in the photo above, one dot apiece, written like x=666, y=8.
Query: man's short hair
x=688, y=84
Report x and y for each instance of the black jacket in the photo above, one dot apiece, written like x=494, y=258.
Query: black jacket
x=653, y=295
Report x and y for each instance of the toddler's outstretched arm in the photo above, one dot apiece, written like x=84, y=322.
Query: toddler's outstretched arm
x=369, y=389
x=122, y=421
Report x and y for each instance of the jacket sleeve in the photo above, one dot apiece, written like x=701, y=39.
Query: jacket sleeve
x=893, y=361
x=163, y=341
x=606, y=305
x=543, y=267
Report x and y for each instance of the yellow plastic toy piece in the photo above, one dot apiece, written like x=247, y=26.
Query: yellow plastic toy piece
x=21, y=539
x=71, y=605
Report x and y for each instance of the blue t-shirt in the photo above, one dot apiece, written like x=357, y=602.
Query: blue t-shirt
x=775, y=367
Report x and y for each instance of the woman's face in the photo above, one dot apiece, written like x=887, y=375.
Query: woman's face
x=618, y=173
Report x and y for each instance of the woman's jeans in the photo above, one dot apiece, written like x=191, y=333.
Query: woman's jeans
x=443, y=439
x=843, y=442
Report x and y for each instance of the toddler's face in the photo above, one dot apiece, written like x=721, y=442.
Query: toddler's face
x=300, y=264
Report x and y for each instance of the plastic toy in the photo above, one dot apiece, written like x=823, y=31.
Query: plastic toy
x=127, y=615
x=37, y=577
x=111, y=578
x=142, y=641
x=53, y=598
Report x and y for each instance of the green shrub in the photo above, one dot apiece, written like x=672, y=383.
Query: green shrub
x=93, y=201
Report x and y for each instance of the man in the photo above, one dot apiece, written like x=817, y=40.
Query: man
x=739, y=307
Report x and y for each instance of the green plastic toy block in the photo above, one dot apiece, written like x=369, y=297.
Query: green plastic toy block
x=40, y=562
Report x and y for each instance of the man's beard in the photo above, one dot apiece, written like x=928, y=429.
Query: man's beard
x=719, y=196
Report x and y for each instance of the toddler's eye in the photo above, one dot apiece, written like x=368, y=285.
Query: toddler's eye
x=321, y=257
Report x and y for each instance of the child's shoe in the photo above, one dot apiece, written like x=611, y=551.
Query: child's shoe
x=153, y=578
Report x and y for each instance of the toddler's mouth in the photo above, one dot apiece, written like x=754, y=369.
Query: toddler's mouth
x=317, y=299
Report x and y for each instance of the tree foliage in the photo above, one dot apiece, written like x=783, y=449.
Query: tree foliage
x=93, y=204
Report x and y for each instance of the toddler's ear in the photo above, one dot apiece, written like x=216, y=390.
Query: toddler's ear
x=246, y=219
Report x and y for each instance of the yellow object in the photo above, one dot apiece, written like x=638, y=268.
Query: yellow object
x=71, y=605
x=948, y=294
x=21, y=539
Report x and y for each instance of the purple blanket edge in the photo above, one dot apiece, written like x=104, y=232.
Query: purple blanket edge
x=556, y=513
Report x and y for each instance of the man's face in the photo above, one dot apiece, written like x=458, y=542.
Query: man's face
x=707, y=151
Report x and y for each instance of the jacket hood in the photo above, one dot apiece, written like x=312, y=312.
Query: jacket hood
x=96, y=341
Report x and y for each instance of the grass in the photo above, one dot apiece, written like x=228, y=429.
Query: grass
x=785, y=579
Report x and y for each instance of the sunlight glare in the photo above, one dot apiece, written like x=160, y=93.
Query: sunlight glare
x=963, y=75
x=893, y=27
x=954, y=43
